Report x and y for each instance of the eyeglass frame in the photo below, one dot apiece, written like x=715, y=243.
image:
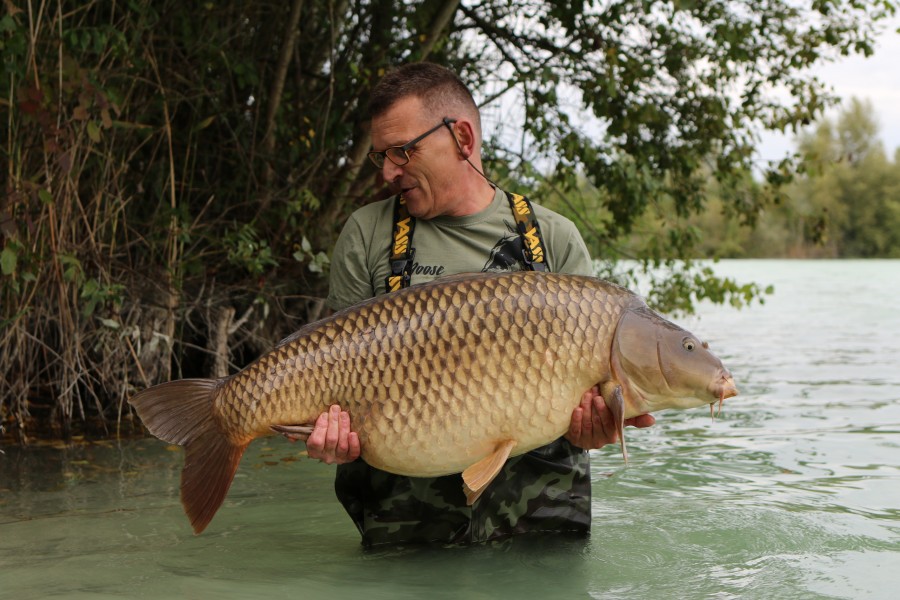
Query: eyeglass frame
x=378, y=157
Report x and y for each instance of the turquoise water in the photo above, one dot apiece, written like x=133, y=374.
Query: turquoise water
x=792, y=492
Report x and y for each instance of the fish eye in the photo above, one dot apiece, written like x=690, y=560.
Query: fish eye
x=688, y=344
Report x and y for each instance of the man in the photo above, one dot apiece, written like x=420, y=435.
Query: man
x=426, y=135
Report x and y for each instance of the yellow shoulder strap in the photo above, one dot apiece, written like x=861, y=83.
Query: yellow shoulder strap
x=402, y=251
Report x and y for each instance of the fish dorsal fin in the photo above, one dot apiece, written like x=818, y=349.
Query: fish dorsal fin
x=477, y=477
x=467, y=276
x=615, y=402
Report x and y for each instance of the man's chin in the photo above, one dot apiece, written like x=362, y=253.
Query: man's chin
x=414, y=204
x=416, y=212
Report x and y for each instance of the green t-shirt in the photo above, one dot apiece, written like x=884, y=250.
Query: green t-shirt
x=486, y=241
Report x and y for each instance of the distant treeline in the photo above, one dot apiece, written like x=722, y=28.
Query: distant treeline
x=841, y=201
x=844, y=203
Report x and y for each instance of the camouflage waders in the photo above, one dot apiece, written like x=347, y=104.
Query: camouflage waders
x=547, y=489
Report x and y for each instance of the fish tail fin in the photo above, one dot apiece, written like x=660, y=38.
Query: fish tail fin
x=181, y=412
x=210, y=463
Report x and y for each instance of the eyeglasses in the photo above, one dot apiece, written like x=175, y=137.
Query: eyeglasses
x=399, y=154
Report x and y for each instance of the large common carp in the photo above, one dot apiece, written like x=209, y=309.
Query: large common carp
x=446, y=377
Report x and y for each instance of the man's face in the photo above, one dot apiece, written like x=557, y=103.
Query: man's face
x=427, y=181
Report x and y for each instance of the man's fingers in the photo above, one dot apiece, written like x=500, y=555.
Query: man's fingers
x=603, y=434
x=316, y=441
x=332, y=433
x=587, y=422
x=331, y=440
x=343, y=442
x=354, y=450
x=575, y=425
x=592, y=424
x=580, y=425
x=641, y=421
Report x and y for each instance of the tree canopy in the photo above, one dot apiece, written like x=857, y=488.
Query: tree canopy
x=176, y=172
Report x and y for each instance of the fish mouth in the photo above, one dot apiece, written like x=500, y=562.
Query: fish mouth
x=727, y=388
x=724, y=387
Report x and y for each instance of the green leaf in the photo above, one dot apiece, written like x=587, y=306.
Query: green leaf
x=45, y=196
x=90, y=307
x=93, y=132
x=8, y=259
x=72, y=270
x=204, y=123
x=319, y=262
x=7, y=23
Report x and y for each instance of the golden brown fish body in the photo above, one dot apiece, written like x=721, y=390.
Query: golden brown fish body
x=447, y=377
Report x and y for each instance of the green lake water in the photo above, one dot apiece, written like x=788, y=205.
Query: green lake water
x=792, y=492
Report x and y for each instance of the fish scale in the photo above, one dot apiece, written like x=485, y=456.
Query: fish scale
x=439, y=378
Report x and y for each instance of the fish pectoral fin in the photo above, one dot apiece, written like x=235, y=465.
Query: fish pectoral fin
x=477, y=477
x=615, y=402
x=293, y=432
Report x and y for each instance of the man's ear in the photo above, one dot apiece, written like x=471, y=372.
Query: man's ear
x=465, y=138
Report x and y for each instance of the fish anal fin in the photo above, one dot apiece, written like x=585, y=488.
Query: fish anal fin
x=478, y=476
x=615, y=402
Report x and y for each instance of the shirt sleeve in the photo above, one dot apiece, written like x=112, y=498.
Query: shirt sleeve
x=574, y=258
x=568, y=252
x=349, y=280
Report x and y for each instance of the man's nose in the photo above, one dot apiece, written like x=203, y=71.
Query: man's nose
x=390, y=171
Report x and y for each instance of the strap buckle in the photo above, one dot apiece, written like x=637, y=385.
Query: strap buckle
x=403, y=266
x=401, y=271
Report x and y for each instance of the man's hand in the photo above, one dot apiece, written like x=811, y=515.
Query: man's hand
x=331, y=440
x=592, y=424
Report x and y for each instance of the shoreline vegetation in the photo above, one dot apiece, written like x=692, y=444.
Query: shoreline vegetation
x=176, y=173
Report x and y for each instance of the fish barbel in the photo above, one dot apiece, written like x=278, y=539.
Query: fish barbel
x=451, y=376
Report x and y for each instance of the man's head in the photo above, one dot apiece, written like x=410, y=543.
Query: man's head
x=441, y=91
x=436, y=180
